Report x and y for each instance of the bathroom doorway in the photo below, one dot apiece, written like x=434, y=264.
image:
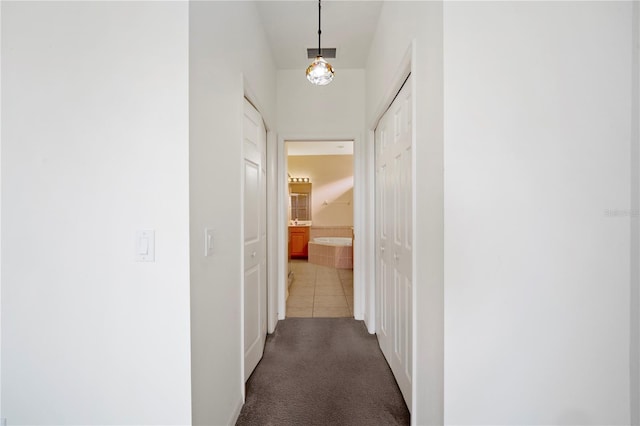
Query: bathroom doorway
x=320, y=224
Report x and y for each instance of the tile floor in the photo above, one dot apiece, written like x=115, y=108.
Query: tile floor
x=320, y=291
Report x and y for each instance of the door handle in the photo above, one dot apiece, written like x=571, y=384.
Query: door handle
x=253, y=254
x=396, y=256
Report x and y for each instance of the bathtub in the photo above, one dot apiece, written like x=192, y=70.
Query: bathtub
x=334, y=241
x=335, y=252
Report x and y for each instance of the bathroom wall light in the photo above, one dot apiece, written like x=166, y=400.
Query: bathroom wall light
x=299, y=180
x=320, y=72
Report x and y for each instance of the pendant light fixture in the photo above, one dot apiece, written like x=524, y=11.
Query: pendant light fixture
x=320, y=72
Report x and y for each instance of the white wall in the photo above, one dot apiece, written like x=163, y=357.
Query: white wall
x=537, y=121
x=1, y=102
x=402, y=23
x=321, y=111
x=226, y=40
x=94, y=147
x=634, y=352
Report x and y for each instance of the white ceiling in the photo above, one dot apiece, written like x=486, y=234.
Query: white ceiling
x=292, y=27
x=319, y=148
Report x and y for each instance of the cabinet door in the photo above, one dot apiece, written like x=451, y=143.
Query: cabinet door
x=298, y=240
x=298, y=243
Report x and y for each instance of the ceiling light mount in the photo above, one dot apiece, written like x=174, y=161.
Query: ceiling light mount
x=327, y=52
x=320, y=72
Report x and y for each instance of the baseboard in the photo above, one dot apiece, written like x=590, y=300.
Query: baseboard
x=236, y=413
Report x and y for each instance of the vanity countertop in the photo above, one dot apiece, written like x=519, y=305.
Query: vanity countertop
x=305, y=223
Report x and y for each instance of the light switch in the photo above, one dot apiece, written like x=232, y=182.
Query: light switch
x=208, y=242
x=145, y=246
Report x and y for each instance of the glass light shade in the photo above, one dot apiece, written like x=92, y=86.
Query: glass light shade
x=320, y=72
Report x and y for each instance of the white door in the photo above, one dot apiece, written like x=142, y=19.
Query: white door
x=393, y=141
x=255, y=237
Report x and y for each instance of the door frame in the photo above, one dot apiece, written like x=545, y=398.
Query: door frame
x=359, y=217
x=364, y=286
x=262, y=229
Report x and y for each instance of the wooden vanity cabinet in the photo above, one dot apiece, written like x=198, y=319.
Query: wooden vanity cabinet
x=299, y=242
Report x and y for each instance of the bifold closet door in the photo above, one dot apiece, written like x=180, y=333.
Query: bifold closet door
x=255, y=237
x=394, y=287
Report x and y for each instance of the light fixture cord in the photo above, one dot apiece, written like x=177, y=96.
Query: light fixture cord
x=319, y=30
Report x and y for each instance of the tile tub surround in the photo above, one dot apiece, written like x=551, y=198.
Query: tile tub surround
x=320, y=291
x=330, y=231
x=333, y=256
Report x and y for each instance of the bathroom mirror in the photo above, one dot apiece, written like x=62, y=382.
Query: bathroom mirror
x=300, y=201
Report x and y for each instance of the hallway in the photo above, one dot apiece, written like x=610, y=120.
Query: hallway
x=122, y=126
x=323, y=371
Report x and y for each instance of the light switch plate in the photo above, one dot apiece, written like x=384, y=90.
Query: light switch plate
x=146, y=246
x=208, y=242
